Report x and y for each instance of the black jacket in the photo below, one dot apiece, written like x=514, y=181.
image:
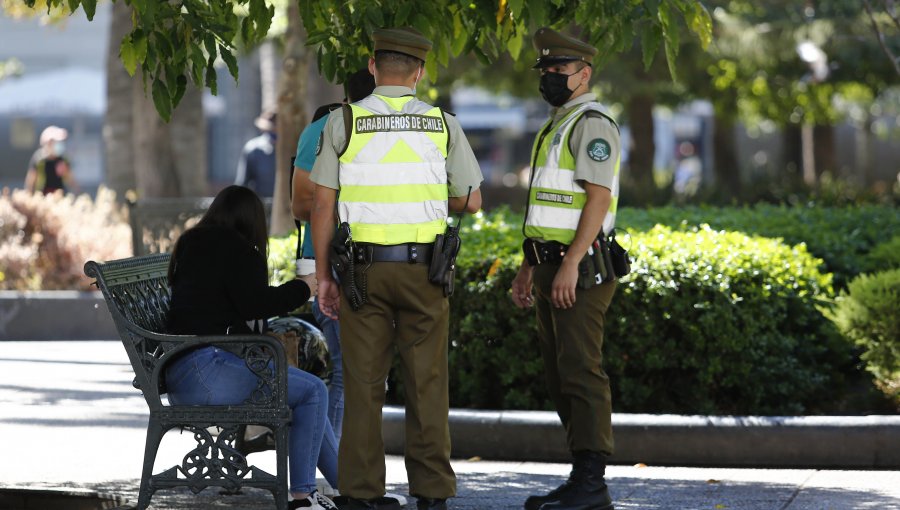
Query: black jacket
x=220, y=280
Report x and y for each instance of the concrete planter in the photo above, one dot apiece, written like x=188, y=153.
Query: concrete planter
x=55, y=315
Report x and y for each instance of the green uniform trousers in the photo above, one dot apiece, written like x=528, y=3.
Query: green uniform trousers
x=406, y=312
x=571, y=344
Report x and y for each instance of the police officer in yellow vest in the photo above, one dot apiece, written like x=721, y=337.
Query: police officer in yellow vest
x=406, y=166
x=571, y=201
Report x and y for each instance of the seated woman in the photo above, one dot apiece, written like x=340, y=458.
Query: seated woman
x=219, y=281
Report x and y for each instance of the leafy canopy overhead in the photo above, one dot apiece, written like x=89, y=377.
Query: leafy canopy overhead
x=174, y=40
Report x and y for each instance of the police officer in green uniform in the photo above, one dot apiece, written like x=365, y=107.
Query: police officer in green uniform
x=405, y=167
x=571, y=201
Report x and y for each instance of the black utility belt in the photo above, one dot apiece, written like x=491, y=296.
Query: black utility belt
x=411, y=253
x=551, y=252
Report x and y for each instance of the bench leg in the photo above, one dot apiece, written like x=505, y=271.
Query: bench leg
x=281, y=466
x=154, y=437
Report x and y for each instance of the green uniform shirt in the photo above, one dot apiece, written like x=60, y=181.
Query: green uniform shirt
x=585, y=131
x=462, y=167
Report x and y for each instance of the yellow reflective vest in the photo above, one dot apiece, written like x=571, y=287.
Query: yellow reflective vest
x=555, y=199
x=393, y=175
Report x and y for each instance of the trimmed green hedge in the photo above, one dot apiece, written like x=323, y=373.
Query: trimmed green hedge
x=841, y=236
x=708, y=322
x=869, y=314
x=723, y=312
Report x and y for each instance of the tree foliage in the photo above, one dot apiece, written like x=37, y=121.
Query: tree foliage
x=340, y=31
x=174, y=41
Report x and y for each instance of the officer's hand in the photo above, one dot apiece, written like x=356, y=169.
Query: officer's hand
x=562, y=294
x=329, y=298
x=521, y=287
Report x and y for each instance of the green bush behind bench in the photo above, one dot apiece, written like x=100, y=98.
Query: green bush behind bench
x=710, y=321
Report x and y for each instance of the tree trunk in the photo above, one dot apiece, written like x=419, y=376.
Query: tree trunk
x=824, y=150
x=792, y=154
x=643, y=148
x=118, y=119
x=291, y=117
x=725, y=165
x=169, y=159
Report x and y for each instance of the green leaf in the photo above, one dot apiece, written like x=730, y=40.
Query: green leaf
x=459, y=43
x=90, y=8
x=671, y=56
x=650, y=39
x=211, y=76
x=139, y=39
x=180, y=88
x=162, y=100
x=431, y=66
x=514, y=45
x=198, y=64
x=163, y=44
x=443, y=56
x=128, y=55
x=230, y=61
x=403, y=13
x=701, y=24
x=515, y=7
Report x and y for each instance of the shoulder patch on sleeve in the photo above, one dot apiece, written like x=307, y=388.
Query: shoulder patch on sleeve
x=598, y=150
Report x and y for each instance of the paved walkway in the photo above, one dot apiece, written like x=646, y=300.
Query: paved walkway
x=70, y=418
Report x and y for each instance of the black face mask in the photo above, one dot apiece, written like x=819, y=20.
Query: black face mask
x=554, y=88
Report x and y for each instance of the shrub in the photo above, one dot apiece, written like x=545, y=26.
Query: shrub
x=841, y=236
x=884, y=256
x=708, y=322
x=46, y=239
x=282, y=257
x=868, y=314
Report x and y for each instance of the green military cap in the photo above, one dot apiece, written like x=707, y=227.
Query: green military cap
x=406, y=40
x=555, y=48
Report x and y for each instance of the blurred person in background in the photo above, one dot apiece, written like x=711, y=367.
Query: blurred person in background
x=256, y=166
x=49, y=170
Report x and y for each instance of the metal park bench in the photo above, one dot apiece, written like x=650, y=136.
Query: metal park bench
x=137, y=293
x=157, y=222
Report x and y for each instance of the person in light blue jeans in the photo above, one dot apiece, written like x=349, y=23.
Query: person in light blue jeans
x=212, y=376
x=219, y=280
x=359, y=85
x=332, y=333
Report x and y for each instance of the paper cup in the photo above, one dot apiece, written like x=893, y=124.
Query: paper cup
x=305, y=267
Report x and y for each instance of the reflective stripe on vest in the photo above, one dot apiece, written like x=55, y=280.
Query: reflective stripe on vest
x=393, y=174
x=555, y=200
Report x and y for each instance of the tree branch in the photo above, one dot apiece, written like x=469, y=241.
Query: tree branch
x=880, y=36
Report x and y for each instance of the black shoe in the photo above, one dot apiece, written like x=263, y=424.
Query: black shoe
x=584, y=490
x=382, y=503
x=431, y=504
x=535, y=502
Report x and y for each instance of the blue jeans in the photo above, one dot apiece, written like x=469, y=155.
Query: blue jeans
x=212, y=376
x=332, y=332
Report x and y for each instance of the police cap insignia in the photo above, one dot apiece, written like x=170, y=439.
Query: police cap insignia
x=555, y=48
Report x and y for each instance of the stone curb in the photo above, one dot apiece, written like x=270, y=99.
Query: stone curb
x=871, y=442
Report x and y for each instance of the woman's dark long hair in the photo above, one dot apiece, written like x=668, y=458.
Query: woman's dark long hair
x=239, y=209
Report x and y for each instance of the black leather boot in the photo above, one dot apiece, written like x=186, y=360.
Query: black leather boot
x=585, y=489
x=431, y=504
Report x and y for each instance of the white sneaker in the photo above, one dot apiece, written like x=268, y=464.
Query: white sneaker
x=314, y=501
